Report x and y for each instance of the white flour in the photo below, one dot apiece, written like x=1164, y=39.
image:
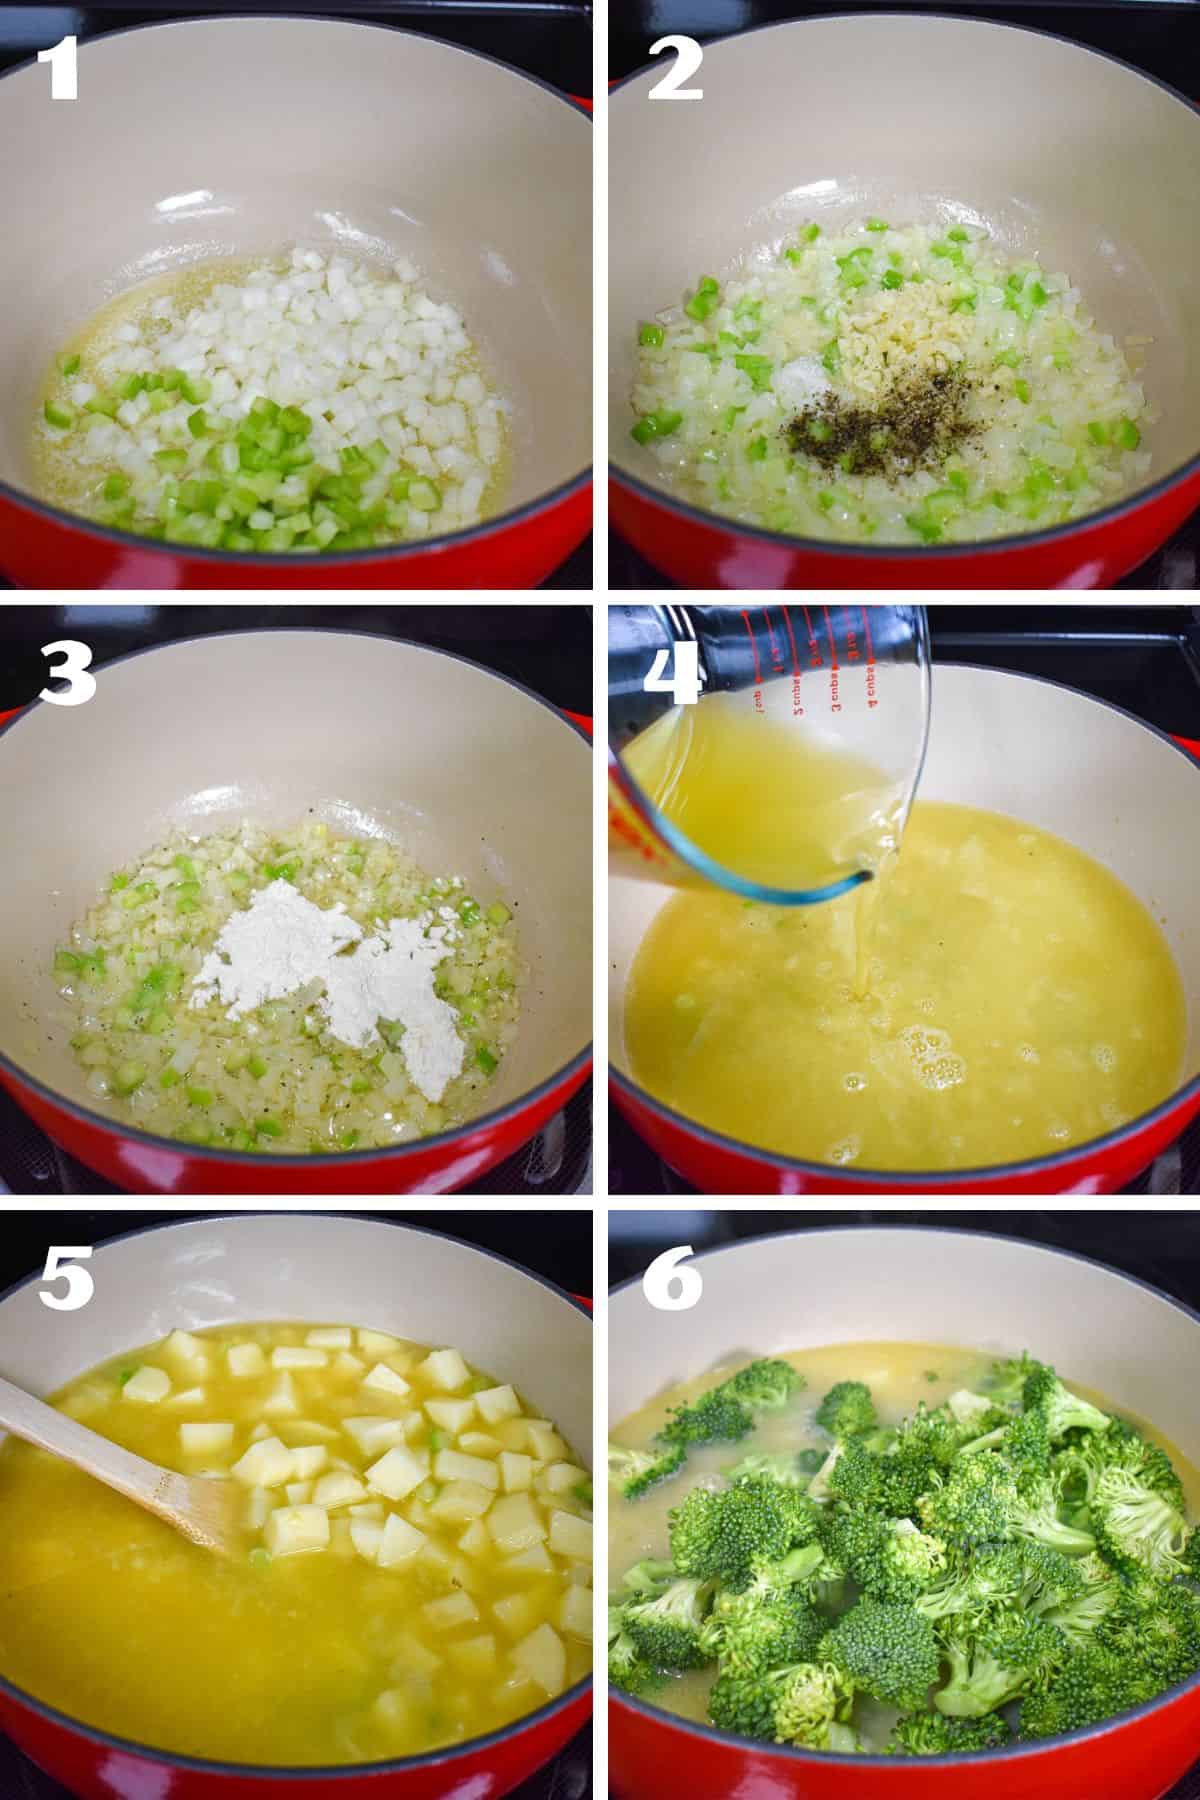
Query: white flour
x=283, y=942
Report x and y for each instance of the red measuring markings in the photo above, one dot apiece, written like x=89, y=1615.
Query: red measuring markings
x=835, y=704
x=797, y=705
x=815, y=659
x=758, y=696
x=872, y=694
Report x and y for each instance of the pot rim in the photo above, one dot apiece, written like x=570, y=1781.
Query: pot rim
x=918, y=1179
x=264, y=1772
x=958, y=1760
x=337, y=559
x=920, y=553
x=349, y=1159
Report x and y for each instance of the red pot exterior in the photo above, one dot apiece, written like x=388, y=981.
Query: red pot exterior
x=654, y=1759
x=97, y=1771
x=699, y=552
x=144, y=1166
x=41, y=550
x=719, y=1167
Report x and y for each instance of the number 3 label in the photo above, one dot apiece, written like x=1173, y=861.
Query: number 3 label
x=688, y=57
x=73, y=670
x=669, y=1284
x=61, y=1260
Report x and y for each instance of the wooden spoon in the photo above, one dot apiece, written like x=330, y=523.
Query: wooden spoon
x=204, y=1509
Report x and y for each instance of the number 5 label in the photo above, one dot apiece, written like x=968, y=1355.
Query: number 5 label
x=61, y=1265
x=670, y=1284
x=688, y=57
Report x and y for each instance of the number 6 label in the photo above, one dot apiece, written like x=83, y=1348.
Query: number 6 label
x=688, y=57
x=62, y=1265
x=670, y=1284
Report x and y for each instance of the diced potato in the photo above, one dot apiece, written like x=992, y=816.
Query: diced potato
x=451, y=1465
x=475, y=1656
x=392, y=1711
x=297, y=1492
x=187, y=1400
x=259, y=1506
x=267, y=1463
x=571, y=1536
x=445, y=1369
x=245, y=1360
x=282, y=1400
x=401, y=1541
x=302, y=1432
x=564, y=1477
x=205, y=1440
x=374, y=1432
x=579, y=1574
x=479, y=1443
x=543, y=1657
x=329, y=1337
x=537, y=1560
x=460, y=1500
x=396, y=1473
x=259, y=1432
x=512, y=1434
x=340, y=1541
x=451, y=1415
x=297, y=1530
x=338, y=1489
x=370, y=1509
x=544, y=1441
x=298, y=1356
x=498, y=1403
x=383, y=1380
x=185, y=1348
x=516, y=1471
x=575, y=1613
x=348, y=1364
x=366, y=1536
x=475, y=1540
x=413, y=1658
x=517, y=1613
x=451, y=1610
x=147, y=1387
x=515, y=1523
x=377, y=1343
x=417, y=1511
x=308, y=1460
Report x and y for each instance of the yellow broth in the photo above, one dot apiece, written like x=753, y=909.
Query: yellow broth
x=391, y=1639
x=899, y=1377
x=1010, y=998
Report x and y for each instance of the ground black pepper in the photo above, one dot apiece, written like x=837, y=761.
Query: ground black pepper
x=917, y=425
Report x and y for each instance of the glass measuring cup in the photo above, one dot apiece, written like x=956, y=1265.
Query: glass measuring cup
x=773, y=750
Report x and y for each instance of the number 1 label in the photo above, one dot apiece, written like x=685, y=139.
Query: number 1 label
x=64, y=77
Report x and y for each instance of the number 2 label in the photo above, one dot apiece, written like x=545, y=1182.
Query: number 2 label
x=688, y=57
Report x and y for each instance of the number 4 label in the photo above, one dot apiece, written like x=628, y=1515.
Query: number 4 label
x=684, y=684
x=64, y=79
x=61, y=1265
x=688, y=57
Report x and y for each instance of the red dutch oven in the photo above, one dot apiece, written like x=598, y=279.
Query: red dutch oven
x=1087, y=771
x=312, y=1269
x=1061, y=150
x=332, y=135
x=472, y=773
x=814, y=1288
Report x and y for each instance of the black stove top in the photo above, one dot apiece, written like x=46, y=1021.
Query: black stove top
x=1145, y=659
x=1162, y=37
x=549, y=39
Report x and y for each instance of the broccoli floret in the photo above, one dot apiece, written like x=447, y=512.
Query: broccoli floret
x=973, y=1504
x=847, y=1410
x=1157, y=1627
x=627, y=1668
x=788, y=1468
x=806, y=1704
x=1063, y=1411
x=851, y=1474
x=1035, y=1514
x=635, y=1472
x=1137, y=1526
x=1000, y=1661
x=721, y=1535
x=887, y=1649
x=974, y=1585
x=932, y=1734
x=1191, y=1556
x=666, y=1630
x=650, y=1576
x=727, y=1412
x=890, y=1559
x=1093, y=1684
x=1079, y=1615
x=765, y=1627
x=1006, y=1380
x=1025, y=1446
x=766, y=1385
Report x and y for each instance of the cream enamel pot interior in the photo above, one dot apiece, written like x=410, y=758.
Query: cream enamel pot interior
x=1040, y=752
x=471, y=773
x=317, y=1269
x=242, y=136
x=1056, y=149
x=811, y=1288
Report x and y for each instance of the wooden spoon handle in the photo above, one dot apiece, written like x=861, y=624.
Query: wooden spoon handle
x=37, y=1423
